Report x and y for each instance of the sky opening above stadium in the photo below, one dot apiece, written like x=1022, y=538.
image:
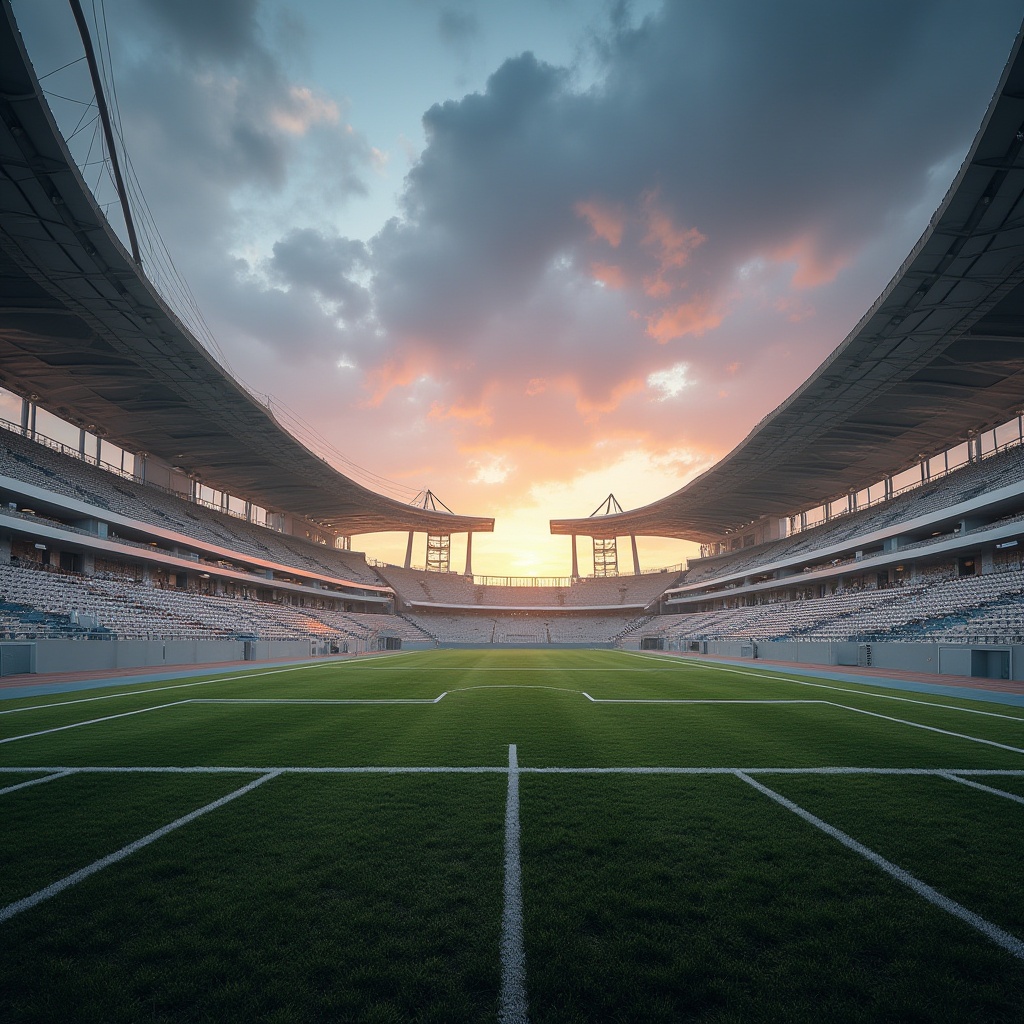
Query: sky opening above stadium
x=528, y=254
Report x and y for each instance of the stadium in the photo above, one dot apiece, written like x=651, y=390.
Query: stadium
x=780, y=781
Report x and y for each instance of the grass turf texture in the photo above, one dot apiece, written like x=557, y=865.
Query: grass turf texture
x=378, y=896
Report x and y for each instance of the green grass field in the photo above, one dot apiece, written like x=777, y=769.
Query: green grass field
x=510, y=835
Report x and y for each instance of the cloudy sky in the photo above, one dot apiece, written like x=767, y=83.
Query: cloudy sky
x=529, y=254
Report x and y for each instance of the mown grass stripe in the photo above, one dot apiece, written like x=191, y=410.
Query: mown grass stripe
x=513, y=1006
x=58, y=887
x=1013, y=945
x=35, y=782
x=985, y=789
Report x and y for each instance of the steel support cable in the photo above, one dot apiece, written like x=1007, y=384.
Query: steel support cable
x=101, y=103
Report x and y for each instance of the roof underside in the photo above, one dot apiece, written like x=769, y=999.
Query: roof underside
x=84, y=331
x=939, y=355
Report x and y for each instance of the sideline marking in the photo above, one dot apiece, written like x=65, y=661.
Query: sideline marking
x=299, y=700
x=707, y=700
x=929, y=728
x=175, y=686
x=984, y=789
x=772, y=677
x=45, y=778
x=92, y=721
x=513, y=1008
x=126, y=851
x=1013, y=945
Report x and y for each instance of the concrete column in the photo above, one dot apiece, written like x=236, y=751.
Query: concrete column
x=575, y=560
x=81, y=441
x=408, y=552
x=636, y=557
x=469, y=553
x=99, y=447
x=24, y=416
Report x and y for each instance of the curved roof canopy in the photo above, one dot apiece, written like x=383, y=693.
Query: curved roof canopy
x=938, y=356
x=84, y=332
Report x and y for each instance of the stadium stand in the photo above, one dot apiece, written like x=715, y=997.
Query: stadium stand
x=58, y=472
x=421, y=589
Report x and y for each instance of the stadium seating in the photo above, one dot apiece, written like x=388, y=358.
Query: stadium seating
x=53, y=603
x=34, y=463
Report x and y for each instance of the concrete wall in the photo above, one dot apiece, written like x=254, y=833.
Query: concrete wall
x=91, y=655
x=941, y=659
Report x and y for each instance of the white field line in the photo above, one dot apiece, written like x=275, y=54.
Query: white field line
x=975, y=785
x=285, y=700
x=1013, y=945
x=775, y=677
x=827, y=703
x=513, y=686
x=174, y=686
x=92, y=721
x=708, y=700
x=213, y=700
x=928, y=728
x=1011, y=773
x=513, y=1006
x=126, y=851
x=36, y=782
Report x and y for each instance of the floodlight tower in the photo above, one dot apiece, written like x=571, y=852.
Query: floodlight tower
x=439, y=545
x=606, y=549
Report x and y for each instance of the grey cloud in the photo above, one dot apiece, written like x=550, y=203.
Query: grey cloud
x=758, y=124
x=457, y=27
x=224, y=29
x=305, y=258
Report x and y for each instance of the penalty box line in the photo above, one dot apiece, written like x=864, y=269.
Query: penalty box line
x=991, y=931
x=212, y=700
x=829, y=703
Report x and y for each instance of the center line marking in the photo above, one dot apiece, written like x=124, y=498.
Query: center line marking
x=513, y=1008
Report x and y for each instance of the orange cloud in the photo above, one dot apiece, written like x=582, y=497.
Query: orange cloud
x=591, y=409
x=695, y=317
x=536, y=386
x=396, y=373
x=672, y=246
x=302, y=110
x=608, y=274
x=479, y=414
x=812, y=270
x=605, y=222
